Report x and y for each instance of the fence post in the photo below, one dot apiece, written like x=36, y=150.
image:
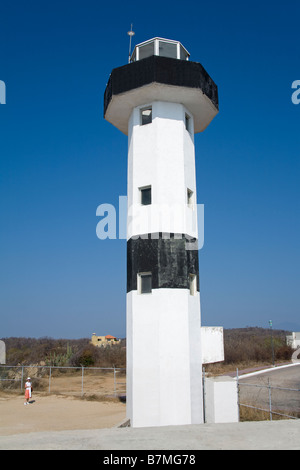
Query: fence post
x=270, y=399
x=82, y=369
x=49, y=378
x=22, y=378
x=115, y=384
x=238, y=393
x=203, y=393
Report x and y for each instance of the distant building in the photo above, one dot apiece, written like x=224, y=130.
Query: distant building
x=107, y=340
x=293, y=340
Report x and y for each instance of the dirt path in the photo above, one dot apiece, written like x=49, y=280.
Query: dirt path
x=57, y=413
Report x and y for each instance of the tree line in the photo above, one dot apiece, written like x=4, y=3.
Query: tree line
x=63, y=352
x=241, y=345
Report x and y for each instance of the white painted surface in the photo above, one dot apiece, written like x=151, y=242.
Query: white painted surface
x=162, y=155
x=2, y=352
x=221, y=405
x=164, y=344
x=295, y=356
x=294, y=340
x=212, y=342
x=164, y=367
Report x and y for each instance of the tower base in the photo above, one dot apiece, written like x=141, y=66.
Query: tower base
x=164, y=366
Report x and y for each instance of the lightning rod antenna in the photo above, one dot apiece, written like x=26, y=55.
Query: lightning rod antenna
x=130, y=34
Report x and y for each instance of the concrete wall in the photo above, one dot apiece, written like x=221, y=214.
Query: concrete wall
x=161, y=155
x=2, y=353
x=212, y=342
x=293, y=340
x=164, y=369
x=164, y=366
x=221, y=401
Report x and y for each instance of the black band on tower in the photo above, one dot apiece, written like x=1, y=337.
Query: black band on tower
x=171, y=259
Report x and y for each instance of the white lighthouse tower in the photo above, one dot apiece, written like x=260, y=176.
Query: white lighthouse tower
x=160, y=100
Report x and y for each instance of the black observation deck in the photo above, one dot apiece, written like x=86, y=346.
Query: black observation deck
x=181, y=81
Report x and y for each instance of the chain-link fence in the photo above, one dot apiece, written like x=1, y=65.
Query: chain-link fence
x=274, y=401
x=78, y=381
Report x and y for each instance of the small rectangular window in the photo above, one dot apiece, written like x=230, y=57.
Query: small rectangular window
x=145, y=196
x=187, y=122
x=146, y=115
x=193, y=284
x=144, y=283
x=190, y=198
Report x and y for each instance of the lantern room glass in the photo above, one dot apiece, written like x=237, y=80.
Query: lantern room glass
x=159, y=47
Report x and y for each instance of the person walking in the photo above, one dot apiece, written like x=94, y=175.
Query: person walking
x=28, y=390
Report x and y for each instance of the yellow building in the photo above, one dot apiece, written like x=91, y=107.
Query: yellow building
x=107, y=340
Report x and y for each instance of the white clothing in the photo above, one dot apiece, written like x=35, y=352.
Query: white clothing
x=28, y=387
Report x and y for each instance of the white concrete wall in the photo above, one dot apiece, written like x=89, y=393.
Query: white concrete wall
x=221, y=401
x=294, y=340
x=161, y=155
x=164, y=367
x=2, y=352
x=212, y=342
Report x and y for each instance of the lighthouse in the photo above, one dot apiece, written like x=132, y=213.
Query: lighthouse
x=160, y=99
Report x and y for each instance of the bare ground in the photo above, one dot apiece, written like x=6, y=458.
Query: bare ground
x=57, y=413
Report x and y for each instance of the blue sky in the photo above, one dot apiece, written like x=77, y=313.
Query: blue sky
x=59, y=160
